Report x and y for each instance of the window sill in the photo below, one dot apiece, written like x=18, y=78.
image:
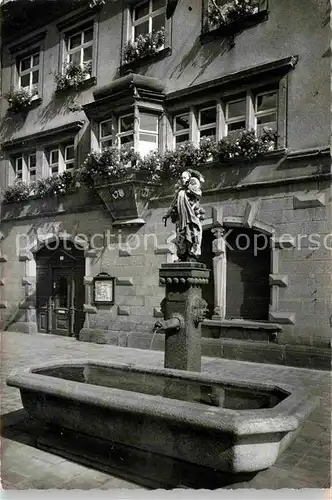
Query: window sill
x=242, y=323
x=90, y=82
x=129, y=67
x=235, y=27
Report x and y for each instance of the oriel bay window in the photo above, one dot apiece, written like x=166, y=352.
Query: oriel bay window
x=106, y=131
x=126, y=131
x=140, y=132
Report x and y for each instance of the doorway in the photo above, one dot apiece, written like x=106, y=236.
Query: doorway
x=60, y=289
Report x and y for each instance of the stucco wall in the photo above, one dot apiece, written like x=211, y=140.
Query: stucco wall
x=298, y=27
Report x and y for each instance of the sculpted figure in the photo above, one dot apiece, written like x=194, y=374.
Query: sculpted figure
x=186, y=213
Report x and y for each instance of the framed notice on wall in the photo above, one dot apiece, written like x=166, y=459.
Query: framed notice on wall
x=103, y=289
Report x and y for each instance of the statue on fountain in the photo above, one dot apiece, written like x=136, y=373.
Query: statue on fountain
x=185, y=212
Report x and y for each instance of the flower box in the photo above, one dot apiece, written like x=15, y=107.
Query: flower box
x=126, y=200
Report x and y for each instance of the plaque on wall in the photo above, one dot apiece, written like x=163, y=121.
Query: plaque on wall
x=103, y=289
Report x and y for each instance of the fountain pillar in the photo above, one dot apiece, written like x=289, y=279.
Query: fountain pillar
x=184, y=310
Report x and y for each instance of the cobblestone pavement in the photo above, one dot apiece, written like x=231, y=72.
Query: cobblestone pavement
x=305, y=463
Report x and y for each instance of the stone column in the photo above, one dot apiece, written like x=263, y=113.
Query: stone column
x=184, y=301
x=219, y=273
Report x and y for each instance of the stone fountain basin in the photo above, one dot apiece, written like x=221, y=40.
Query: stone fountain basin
x=227, y=425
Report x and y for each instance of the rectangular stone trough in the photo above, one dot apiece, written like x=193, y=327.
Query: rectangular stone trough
x=224, y=425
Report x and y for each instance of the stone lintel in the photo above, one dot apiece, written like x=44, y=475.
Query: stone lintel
x=278, y=280
x=125, y=281
x=163, y=250
x=250, y=213
x=284, y=244
x=124, y=253
x=157, y=313
x=24, y=256
x=234, y=221
x=88, y=280
x=88, y=308
x=28, y=280
x=123, y=311
x=284, y=318
x=90, y=252
x=309, y=200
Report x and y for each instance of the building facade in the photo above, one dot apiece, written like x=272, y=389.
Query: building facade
x=85, y=263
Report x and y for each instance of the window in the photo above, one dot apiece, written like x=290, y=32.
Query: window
x=69, y=157
x=106, y=134
x=181, y=128
x=254, y=109
x=54, y=161
x=126, y=131
x=18, y=167
x=235, y=116
x=148, y=16
x=207, y=122
x=79, y=46
x=24, y=166
x=28, y=71
x=148, y=133
x=32, y=167
x=266, y=111
x=61, y=159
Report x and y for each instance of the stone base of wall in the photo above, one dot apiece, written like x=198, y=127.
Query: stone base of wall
x=266, y=352
x=24, y=327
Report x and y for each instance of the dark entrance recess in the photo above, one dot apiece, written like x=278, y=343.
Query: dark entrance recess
x=207, y=259
x=247, y=276
x=60, y=289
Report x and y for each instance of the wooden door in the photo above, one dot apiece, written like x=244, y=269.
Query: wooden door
x=62, y=302
x=60, y=290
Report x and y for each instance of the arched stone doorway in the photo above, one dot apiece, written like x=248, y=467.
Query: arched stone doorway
x=60, y=291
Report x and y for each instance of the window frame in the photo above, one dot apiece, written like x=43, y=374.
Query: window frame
x=129, y=35
x=222, y=99
x=208, y=126
x=183, y=131
x=62, y=163
x=69, y=31
x=117, y=135
x=32, y=69
x=32, y=168
x=148, y=17
x=111, y=137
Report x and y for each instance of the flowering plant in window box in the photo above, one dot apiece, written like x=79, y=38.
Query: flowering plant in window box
x=19, y=191
x=231, y=12
x=96, y=3
x=72, y=77
x=54, y=185
x=20, y=99
x=144, y=46
x=247, y=146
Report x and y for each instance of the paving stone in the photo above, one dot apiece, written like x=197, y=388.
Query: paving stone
x=305, y=463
